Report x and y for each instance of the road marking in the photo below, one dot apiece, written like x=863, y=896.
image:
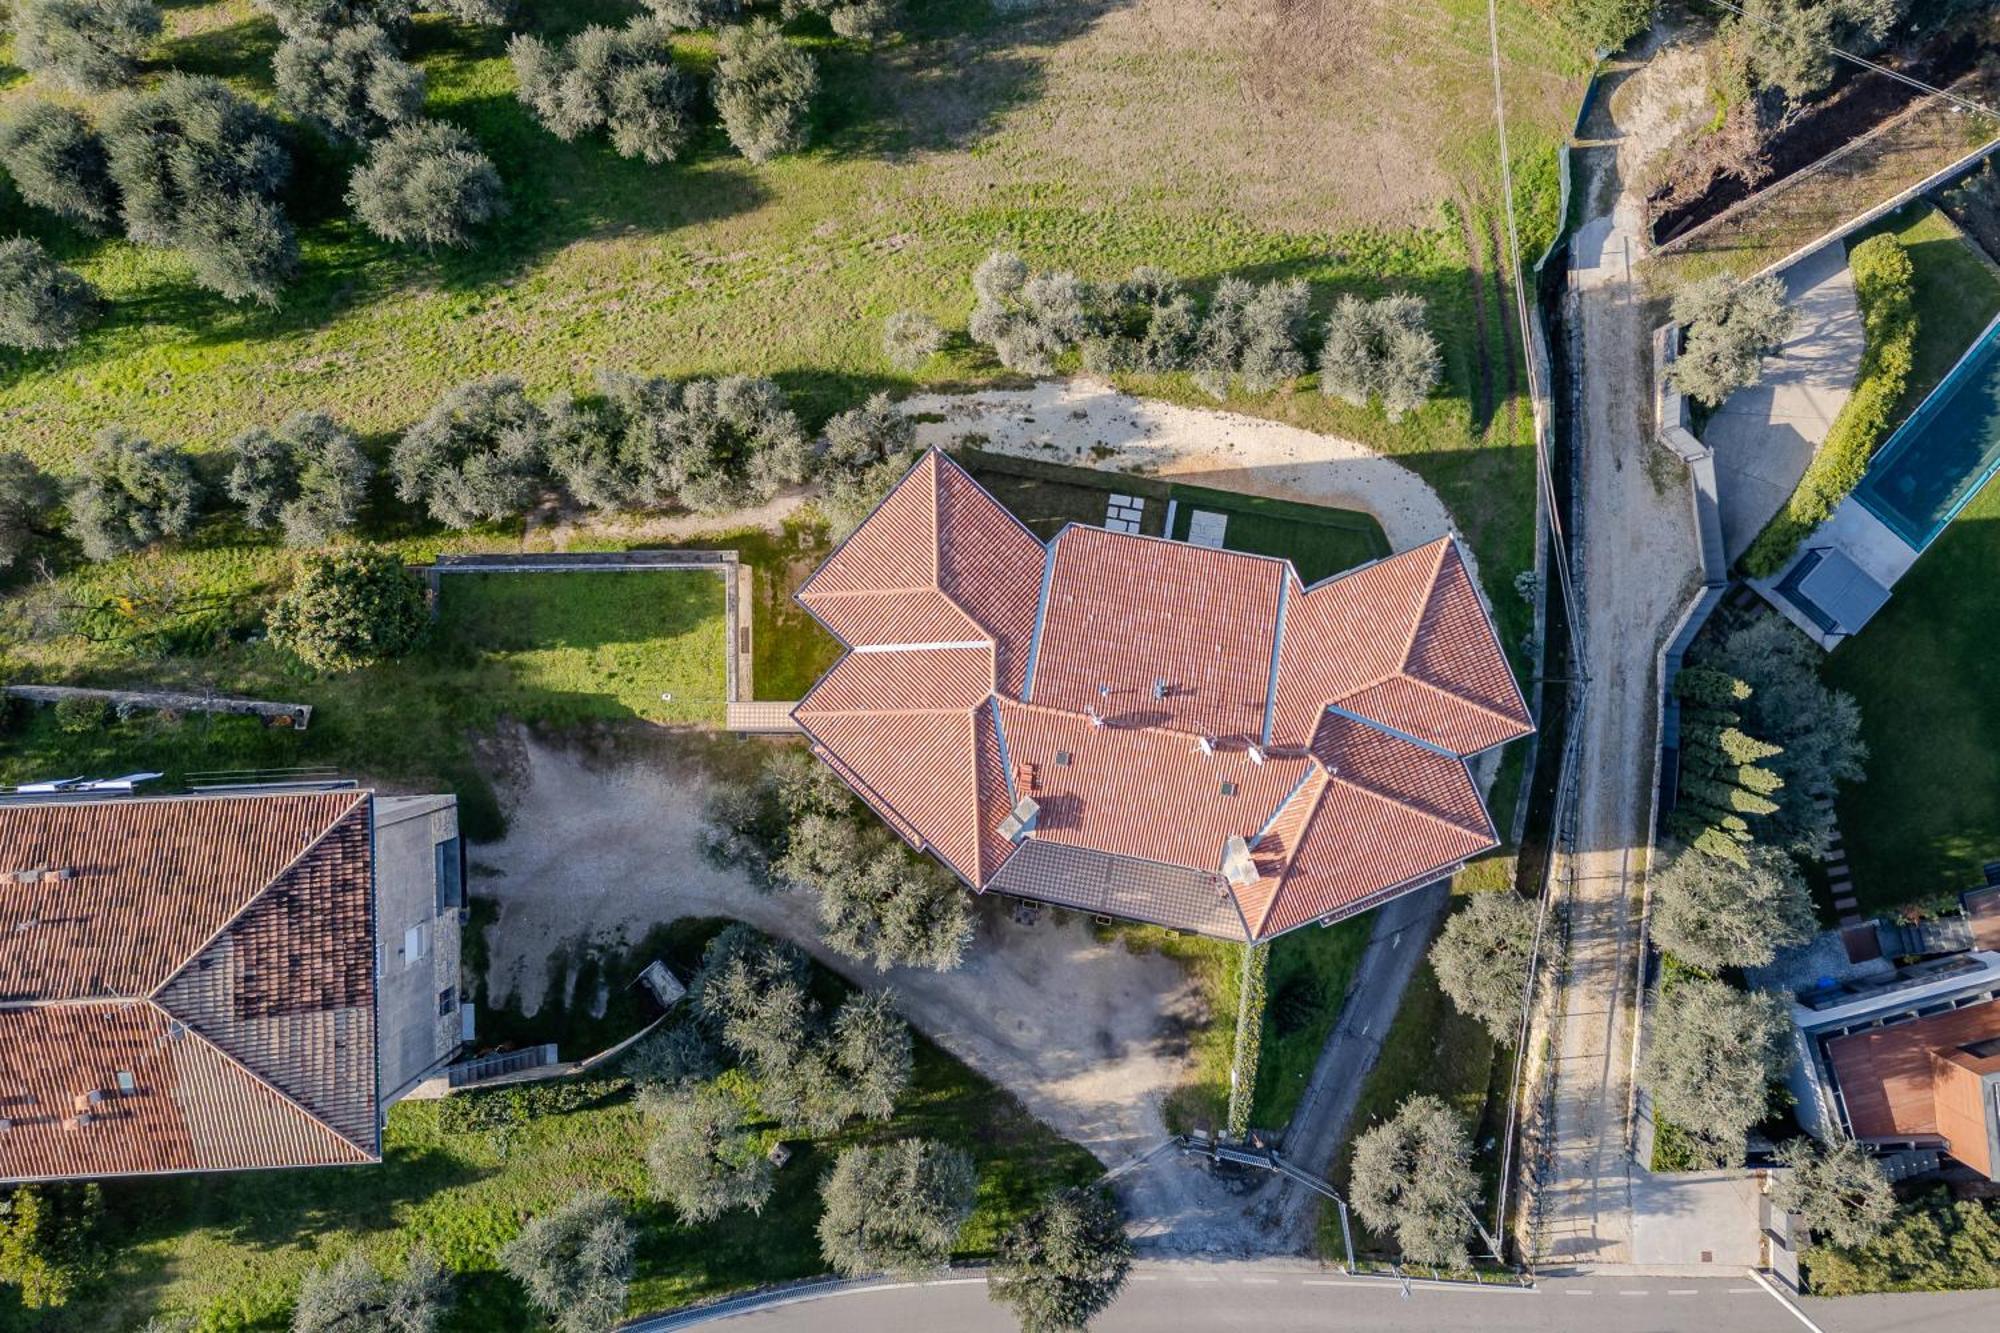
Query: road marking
x=1190, y=1277
x=1259, y=1281
x=1635, y=1293
x=1683, y=1291
x=1574, y=1291
x=1145, y=1277
x=1746, y=1291
x=1779, y=1297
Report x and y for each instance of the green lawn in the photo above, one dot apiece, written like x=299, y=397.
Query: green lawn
x=231, y=1249
x=1924, y=669
x=607, y=643
x=1319, y=541
x=1049, y=496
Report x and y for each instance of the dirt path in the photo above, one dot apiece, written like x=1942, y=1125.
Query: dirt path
x=1636, y=555
x=1090, y=1037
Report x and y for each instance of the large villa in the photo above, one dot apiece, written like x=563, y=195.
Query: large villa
x=1155, y=730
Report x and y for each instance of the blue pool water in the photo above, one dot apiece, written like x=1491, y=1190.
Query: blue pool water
x=1937, y=460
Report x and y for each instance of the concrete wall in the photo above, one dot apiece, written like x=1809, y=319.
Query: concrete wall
x=417, y=947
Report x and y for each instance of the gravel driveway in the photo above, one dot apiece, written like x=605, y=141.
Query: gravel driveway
x=1089, y=1036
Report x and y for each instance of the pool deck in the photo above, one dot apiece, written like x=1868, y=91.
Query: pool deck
x=1764, y=436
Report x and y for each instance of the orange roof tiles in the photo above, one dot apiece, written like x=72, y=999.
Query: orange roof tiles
x=1156, y=700
x=220, y=951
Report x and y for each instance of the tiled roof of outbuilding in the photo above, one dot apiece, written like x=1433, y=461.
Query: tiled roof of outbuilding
x=1155, y=700
x=220, y=950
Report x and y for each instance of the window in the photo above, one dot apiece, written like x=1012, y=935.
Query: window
x=447, y=1001
x=1065, y=758
x=416, y=943
x=1228, y=789
x=450, y=879
x=126, y=1083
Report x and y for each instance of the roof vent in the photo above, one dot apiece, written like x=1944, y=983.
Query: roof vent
x=1203, y=745
x=79, y=1121
x=1020, y=821
x=1237, y=864
x=43, y=874
x=1096, y=718
x=127, y=1085
x=83, y=1101
x=1256, y=754
x=1160, y=688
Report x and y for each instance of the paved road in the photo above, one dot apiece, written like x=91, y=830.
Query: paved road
x=1273, y=1298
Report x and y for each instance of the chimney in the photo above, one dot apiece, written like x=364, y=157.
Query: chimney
x=1237, y=865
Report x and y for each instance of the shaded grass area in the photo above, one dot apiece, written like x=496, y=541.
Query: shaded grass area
x=1049, y=496
x=1924, y=670
x=231, y=1249
x=1432, y=1048
x=1305, y=990
x=1318, y=540
x=650, y=645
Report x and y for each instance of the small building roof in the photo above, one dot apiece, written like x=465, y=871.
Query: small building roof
x=1922, y=1078
x=1158, y=701
x=191, y=987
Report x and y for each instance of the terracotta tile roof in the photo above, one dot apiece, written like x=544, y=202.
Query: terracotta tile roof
x=1891, y=1080
x=1156, y=700
x=221, y=951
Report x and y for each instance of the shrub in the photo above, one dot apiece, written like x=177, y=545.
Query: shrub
x=426, y=184
x=129, y=494
x=42, y=304
x=1481, y=960
x=1933, y=1244
x=1381, y=348
x=307, y=477
x=522, y=1104
x=704, y=1159
x=1713, y=912
x=58, y=163
x=324, y=18
x=199, y=169
x=476, y=457
x=349, y=1295
x=87, y=45
x=351, y=609
x=1412, y=1177
x=575, y=1262
x=350, y=84
x=1063, y=1264
x=1711, y=1062
x=27, y=495
x=623, y=80
x=81, y=714
x=909, y=339
x=764, y=88
x=863, y=20
x=1838, y=1188
x=49, y=1242
x=896, y=1208
x=1606, y=25
x=1883, y=278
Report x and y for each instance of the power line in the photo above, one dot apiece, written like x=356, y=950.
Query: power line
x=1867, y=64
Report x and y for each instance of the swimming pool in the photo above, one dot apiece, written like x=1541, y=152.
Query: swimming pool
x=1937, y=460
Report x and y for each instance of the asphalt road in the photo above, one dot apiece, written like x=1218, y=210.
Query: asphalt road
x=1271, y=1299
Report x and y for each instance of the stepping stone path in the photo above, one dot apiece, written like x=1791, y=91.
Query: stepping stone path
x=1123, y=513
x=1838, y=880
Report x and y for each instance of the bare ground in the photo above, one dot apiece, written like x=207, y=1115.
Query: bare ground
x=602, y=844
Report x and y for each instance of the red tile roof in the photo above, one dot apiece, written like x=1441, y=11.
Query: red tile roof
x=1130, y=686
x=218, y=949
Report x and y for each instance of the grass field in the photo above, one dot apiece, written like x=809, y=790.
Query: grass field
x=1923, y=670
x=1318, y=541
x=231, y=1249
x=647, y=645
x=1304, y=992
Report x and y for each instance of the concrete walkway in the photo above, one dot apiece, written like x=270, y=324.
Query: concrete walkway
x=1764, y=436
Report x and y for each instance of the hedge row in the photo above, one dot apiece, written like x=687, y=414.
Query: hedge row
x=1883, y=284
x=1249, y=1038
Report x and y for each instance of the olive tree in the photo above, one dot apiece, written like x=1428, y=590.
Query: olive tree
x=575, y=1262
x=704, y=1158
x=130, y=493
x=58, y=163
x=675, y=1057
x=1063, y=1264
x=1250, y=336
x=350, y=609
x=351, y=84
x=622, y=80
x=868, y=450
x=691, y=14
x=910, y=338
x=324, y=18
x=1731, y=328
x=89, y=46
x=1715, y=912
x=42, y=304
x=199, y=168
x=1481, y=959
x=763, y=88
x=878, y=901
x=307, y=477
x=426, y=183
x=863, y=20
x=722, y=444
x=350, y=1296
x=1027, y=318
x=476, y=457
x=896, y=1208
x=1380, y=349
x=1711, y=1060
x=480, y=13
x=27, y=496
x=1838, y=1188
x=1412, y=1177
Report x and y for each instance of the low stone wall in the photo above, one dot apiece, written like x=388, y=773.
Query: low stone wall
x=294, y=716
